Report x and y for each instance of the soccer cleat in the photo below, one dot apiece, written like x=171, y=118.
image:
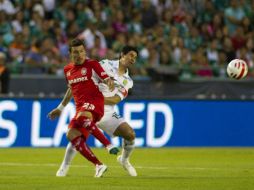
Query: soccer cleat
x=62, y=172
x=127, y=166
x=112, y=149
x=100, y=170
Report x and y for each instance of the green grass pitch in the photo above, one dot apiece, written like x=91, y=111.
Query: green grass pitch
x=158, y=169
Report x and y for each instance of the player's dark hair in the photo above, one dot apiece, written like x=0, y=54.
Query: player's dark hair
x=127, y=49
x=76, y=42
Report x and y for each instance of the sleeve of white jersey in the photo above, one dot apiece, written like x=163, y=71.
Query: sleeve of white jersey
x=105, y=63
x=124, y=88
x=123, y=91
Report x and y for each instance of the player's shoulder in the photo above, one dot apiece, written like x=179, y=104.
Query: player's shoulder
x=109, y=69
x=112, y=63
x=68, y=66
x=105, y=62
x=91, y=61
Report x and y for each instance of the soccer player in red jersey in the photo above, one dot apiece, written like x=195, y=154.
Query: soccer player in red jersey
x=89, y=103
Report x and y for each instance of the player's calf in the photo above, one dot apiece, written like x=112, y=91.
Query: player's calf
x=124, y=130
x=81, y=146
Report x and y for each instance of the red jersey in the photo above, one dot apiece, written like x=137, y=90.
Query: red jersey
x=84, y=90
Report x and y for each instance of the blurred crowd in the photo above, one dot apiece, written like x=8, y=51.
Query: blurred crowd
x=182, y=38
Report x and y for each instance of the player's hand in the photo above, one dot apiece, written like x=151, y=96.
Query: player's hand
x=54, y=113
x=110, y=84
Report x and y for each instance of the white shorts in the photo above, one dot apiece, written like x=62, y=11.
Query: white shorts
x=110, y=122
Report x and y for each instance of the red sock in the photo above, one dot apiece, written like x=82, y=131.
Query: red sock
x=93, y=129
x=81, y=146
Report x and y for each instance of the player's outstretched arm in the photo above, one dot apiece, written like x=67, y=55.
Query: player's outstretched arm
x=103, y=75
x=118, y=97
x=110, y=83
x=58, y=110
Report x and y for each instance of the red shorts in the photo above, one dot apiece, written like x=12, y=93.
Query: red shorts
x=97, y=111
x=96, y=108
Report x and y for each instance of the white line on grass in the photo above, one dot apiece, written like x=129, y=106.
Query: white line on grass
x=85, y=166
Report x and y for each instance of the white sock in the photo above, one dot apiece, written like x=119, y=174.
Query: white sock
x=128, y=147
x=70, y=152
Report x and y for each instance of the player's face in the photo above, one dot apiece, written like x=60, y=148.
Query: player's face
x=129, y=58
x=78, y=54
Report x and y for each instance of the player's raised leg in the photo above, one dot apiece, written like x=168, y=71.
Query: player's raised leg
x=128, y=134
x=79, y=142
x=85, y=119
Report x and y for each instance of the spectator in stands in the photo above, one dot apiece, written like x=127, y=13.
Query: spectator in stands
x=212, y=52
x=60, y=40
x=49, y=6
x=18, y=21
x=89, y=34
x=4, y=75
x=5, y=26
x=99, y=52
x=134, y=26
x=185, y=65
x=234, y=15
x=238, y=39
x=228, y=49
x=203, y=69
x=118, y=24
x=7, y=7
x=34, y=59
x=149, y=16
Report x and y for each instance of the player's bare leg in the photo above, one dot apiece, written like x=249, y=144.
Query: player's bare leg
x=79, y=142
x=128, y=135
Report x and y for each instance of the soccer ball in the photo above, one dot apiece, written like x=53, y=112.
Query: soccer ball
x=237, y=69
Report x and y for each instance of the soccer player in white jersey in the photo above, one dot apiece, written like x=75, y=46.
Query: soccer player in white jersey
x=111, y=122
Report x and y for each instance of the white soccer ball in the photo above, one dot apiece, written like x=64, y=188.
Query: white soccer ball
x=237, y=69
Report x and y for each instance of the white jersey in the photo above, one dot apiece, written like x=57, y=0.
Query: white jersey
x=122, y=83
x=111, y=120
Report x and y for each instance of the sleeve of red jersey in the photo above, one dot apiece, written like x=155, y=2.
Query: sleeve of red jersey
x=99, y=70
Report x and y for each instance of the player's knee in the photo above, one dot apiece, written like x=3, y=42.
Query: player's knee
x=72, y=134
x=69, y=135
x=84, y=121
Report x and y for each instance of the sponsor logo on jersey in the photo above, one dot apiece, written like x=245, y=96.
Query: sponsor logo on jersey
x=76, y=80
x=83, y=71
x=125, y=82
